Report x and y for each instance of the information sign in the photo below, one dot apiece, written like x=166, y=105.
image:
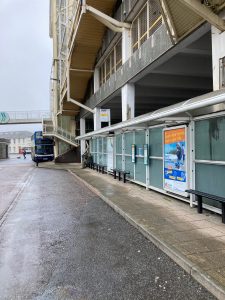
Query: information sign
x=105, y=115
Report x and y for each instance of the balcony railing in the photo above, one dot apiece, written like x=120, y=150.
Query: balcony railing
x=66, y=136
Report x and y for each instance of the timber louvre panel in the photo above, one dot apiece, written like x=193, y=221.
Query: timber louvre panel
x=183, y=17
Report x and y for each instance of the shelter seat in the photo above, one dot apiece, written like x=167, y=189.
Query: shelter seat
x=199, y=196
x=123, y=172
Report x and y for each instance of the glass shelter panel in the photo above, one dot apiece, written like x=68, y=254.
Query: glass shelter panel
x=210, y=179
x=155, y=142
x=210, y=139
x=140, y=170
x=128, y=141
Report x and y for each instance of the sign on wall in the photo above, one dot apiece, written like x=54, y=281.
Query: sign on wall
x=105, y=115
x=175, y=160
x=4, y=117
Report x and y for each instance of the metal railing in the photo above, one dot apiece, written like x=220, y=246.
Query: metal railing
x=27, y=116
x=66, y=136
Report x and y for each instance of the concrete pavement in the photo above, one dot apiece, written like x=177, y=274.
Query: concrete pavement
x=14, y=175
x=61, y=241
x=196, y=242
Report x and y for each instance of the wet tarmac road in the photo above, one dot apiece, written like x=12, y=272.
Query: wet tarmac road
x=60, y=241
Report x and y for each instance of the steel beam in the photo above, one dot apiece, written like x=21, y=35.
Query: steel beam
x=80, y=105
x=106, y=20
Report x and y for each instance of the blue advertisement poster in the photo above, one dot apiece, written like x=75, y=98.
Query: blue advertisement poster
x=175, y=167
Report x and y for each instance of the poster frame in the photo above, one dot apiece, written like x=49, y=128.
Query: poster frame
x=184, y=194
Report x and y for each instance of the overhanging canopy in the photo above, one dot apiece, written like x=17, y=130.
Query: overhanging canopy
x=186, y=108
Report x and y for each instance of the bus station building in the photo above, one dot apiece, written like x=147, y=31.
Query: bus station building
x=139, y=84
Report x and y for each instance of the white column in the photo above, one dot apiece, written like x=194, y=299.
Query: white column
x=127, y=91
x=218, y=52
x=82, y=132
x=128, y=101
x=126, y=45
x=96, y=80
x=97, y=121
x=56, y=147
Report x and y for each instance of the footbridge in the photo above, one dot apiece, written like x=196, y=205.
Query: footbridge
x=23, y=117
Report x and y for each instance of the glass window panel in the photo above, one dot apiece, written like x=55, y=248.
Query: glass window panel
x=100, y=156
x=155, y=142
x=140, y=137
x=140, y=170
x=94, y=145
x=140, y=141
x=105, y=145
x=156, y=173
x=210, y=179
x=119, y=144
x=129, y=166
x=100, y=145
x=210, y=139
x=128, y=142
x=119, y=161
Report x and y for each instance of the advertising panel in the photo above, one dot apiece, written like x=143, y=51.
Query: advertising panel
x=175, y=160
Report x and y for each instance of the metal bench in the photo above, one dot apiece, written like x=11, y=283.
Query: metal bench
x=101, y=168
x=199, y=196
x=123, y=172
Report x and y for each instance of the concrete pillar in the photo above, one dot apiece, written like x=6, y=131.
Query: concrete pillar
x=128, y=101
x=56, y=147
x=126, y=45
x=82, y=132
x=218, y=52
x=127, y=91
x=97, y=121
x=96, y=80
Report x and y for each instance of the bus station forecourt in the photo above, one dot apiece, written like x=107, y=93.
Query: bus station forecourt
x=63, y=242
x=194, y=241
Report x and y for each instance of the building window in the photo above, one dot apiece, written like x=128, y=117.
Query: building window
x=112, y=63
x=146, y=23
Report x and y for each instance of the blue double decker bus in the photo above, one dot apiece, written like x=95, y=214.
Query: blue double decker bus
x=42, y=148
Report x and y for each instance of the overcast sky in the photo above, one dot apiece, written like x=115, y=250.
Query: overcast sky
x=25, y=56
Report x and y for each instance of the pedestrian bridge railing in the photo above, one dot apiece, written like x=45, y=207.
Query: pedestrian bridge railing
x=24, y=117
x=60, y=133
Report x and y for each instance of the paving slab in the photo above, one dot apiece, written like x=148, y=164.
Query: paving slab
x=196, y=242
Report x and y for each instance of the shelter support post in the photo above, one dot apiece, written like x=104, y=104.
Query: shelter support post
x=82, y=132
